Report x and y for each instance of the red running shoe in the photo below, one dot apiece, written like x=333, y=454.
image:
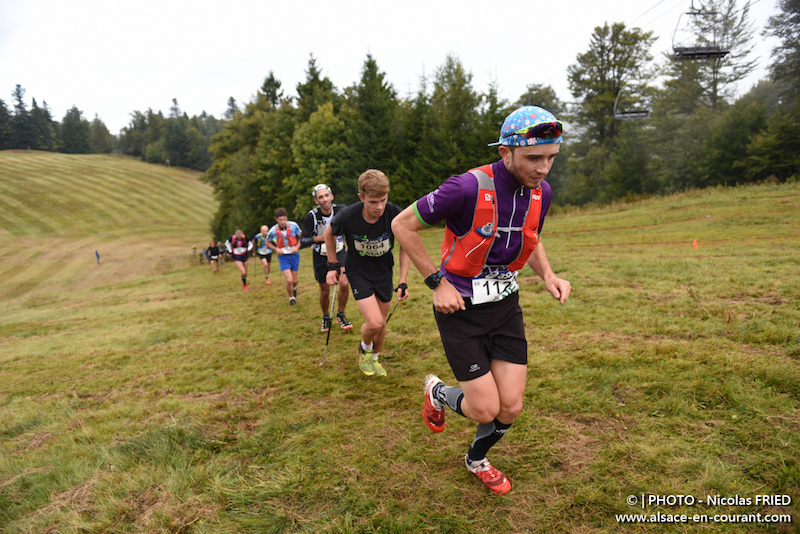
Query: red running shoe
x=493, y=479
x=433, y=410
x=244, y=286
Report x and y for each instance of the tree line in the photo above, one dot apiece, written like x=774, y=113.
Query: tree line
x=273, y=151
x=35, y=129
x=270, y=152
x=173, y=140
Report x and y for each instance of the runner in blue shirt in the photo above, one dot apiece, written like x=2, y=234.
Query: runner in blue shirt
x=284, y=240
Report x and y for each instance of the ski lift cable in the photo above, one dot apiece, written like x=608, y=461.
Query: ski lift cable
x=646, y=12
x=664, y=14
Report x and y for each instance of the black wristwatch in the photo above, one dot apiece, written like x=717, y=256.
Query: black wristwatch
x=433, y=280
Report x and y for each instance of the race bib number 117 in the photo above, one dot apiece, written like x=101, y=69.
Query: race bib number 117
x=492, y=289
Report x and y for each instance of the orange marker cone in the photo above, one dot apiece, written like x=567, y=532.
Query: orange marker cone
x=695, y=244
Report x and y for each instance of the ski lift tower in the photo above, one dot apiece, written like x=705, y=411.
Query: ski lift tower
x=696, y=52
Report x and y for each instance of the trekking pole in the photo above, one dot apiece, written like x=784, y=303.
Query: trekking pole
x=328, y=338
x=403, y=287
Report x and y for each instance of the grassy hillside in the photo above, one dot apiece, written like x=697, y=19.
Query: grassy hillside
x=168, y=400
x=56, y=210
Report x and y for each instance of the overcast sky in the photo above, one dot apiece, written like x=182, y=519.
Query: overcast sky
x=110, y=58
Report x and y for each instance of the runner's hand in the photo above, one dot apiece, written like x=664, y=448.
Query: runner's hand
x=402, y=293
x=332, y=278
x=559, y=288
x=446, y=298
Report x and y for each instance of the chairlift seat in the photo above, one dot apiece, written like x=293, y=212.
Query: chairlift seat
x=699, y=52
x=628, y=115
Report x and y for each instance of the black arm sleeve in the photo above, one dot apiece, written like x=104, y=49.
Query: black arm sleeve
x=307, y=237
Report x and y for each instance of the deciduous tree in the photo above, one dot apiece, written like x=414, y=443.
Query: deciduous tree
x=785, y=66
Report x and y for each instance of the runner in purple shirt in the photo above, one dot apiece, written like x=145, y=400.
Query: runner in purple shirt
x=493, y=216
x=454, y=201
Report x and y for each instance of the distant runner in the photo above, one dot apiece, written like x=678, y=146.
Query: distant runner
x=213, y=256
x=284, y=240
x=493, y=221
x=367, y=228
x=314, y=225
x=261, y=244
x=237, y=246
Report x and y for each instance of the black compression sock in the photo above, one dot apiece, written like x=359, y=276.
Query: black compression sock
x=487, y=435
x=244, y=280
x=452, y=396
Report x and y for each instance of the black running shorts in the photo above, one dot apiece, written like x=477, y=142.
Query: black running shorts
x=473, y=337
x=237, y=257
x=376, y=283
x=321, y=265
x=267, y=257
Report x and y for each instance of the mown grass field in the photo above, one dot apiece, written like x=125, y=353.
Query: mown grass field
x=140, y=395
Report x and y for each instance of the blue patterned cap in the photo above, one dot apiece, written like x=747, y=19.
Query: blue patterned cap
x=527, y=117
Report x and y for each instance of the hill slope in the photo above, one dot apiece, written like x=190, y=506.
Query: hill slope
x=56, y=210
x=175, y=402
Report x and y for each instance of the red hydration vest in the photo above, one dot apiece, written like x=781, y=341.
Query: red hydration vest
x=238, y=242
x=466, y=255
x=289, y=237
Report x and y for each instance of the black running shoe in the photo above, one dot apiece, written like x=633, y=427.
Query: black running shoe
x=342, y=320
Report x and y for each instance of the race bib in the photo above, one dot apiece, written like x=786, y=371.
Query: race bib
x=287, y=250
x=372, y=247
x=239, y=251
x=264, y=251
x=493, y=286
x=323, y=250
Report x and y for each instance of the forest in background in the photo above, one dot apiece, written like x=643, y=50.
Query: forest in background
x=271, y=151
x=697, y=134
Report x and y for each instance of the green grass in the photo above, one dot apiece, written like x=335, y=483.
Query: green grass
x=144, y=396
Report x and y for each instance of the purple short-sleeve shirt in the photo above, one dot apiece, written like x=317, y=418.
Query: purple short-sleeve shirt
x=454, y=202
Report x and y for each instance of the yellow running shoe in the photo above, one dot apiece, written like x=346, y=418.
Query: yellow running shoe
x=365, y=361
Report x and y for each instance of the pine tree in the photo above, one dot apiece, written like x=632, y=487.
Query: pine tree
x=315, y=92
x=232, y=110
x=23, y=135
x=454, y=120
x=271, y=88
x=371, y=129
x=43, y=127
x=75, y=134
x=5, y=127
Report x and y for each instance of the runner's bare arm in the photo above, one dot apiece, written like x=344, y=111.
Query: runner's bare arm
x=559, y=288
x=406, y=227
x=405, y=263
